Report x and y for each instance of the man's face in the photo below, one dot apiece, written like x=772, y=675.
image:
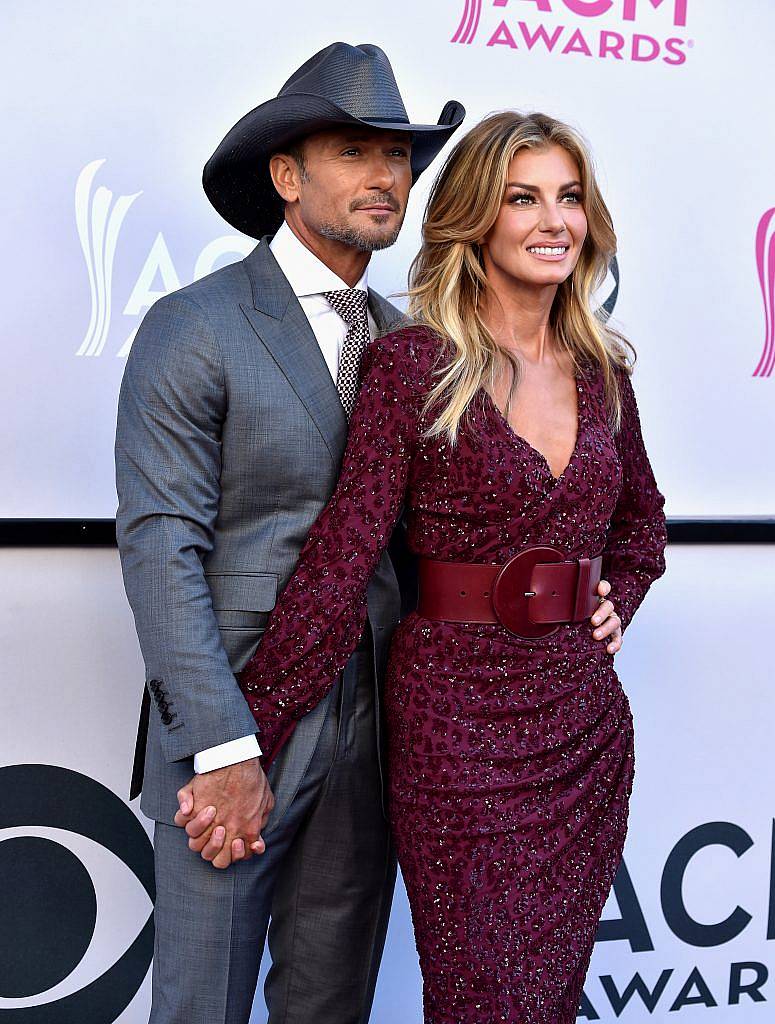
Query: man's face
x=352, y=187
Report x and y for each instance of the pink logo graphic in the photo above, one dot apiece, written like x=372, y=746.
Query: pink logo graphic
x=765, y=264
x=613, y=40
x=469, y=22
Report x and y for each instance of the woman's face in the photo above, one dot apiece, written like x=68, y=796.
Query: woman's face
x=541, y=227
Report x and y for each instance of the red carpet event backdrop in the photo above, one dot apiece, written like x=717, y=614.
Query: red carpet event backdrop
x=110, y=114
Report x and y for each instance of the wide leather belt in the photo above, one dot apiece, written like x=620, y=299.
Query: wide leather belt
x=531, y=595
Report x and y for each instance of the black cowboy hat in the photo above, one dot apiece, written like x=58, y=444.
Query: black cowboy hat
x=340, y=85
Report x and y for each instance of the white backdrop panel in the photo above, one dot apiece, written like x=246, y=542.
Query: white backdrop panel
x=697, y=668
x=110, y=113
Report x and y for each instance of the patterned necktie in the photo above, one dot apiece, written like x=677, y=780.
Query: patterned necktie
x=351, y=304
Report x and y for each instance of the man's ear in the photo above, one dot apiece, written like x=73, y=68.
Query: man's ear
x=285, y=176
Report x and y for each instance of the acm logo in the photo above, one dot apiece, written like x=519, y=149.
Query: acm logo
x=765, y=267
x=695, y=982
x=472, y=12
x=99, y=218
x=562, y=39
x=50, y=903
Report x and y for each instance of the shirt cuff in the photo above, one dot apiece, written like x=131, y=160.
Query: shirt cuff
x=242, y=749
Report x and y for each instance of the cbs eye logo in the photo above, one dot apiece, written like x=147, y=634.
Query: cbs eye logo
x=73, y=946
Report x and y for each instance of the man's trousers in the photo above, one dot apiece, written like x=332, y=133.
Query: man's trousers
x=323, y=887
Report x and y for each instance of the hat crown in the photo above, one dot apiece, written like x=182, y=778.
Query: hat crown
x=359, y=79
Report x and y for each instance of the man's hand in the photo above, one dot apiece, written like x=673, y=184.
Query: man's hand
x=223, y=812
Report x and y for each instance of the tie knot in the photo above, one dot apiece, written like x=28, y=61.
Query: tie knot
x=350, y=303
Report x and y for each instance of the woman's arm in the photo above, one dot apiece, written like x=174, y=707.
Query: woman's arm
x=319, y=617
x=634, y=554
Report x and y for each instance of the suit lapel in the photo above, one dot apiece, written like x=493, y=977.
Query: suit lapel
x=386, y=316
x=279, y=321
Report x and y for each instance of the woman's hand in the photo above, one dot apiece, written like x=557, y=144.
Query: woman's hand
x=605, y=621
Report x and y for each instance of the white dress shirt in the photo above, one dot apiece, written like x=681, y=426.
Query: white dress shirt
x=308, y=277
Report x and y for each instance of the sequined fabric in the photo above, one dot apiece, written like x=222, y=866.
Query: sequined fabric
x=511, y=761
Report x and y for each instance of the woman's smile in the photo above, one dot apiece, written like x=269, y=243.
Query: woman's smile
x=552, y=253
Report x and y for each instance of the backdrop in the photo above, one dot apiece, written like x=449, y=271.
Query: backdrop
x=687, y=933
x=112, y=110
x=109, y=114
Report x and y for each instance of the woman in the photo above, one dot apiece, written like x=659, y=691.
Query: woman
x=504, y=421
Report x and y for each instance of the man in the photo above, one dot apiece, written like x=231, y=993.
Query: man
x=232, y=423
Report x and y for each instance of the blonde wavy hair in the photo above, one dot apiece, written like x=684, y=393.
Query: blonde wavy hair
x=447, y=278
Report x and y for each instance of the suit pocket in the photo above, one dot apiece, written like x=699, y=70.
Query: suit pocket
x=242, y=600
x=240, y=645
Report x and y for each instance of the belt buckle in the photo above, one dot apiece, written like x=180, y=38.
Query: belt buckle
x=511, y=593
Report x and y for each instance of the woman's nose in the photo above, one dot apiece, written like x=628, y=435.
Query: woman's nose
x=551, y=219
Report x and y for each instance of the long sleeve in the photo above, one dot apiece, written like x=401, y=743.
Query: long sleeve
x=168, y=463
x=319, y=617
x=634, y=554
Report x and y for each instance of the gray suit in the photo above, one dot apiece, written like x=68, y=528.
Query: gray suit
x=230, y=436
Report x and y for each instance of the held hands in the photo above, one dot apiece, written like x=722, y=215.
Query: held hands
x=224, y=811
x=605, y=621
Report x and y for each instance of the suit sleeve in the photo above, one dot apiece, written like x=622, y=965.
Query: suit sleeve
x=319, y=617
x=634, y=554
x=171, y=409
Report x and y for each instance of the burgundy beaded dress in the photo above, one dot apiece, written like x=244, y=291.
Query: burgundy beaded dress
x=510, y=761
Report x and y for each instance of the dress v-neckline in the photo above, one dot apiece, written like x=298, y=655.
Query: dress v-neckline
x=580, y=401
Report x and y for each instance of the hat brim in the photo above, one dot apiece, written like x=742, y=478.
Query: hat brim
x=236, y=178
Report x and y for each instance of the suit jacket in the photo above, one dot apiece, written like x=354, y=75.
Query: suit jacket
x=229, y=441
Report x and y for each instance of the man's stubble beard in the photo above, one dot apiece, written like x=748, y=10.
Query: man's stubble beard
x=357, y=239
x=362, y=241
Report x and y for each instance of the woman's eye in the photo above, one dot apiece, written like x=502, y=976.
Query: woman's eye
x=524, y=198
